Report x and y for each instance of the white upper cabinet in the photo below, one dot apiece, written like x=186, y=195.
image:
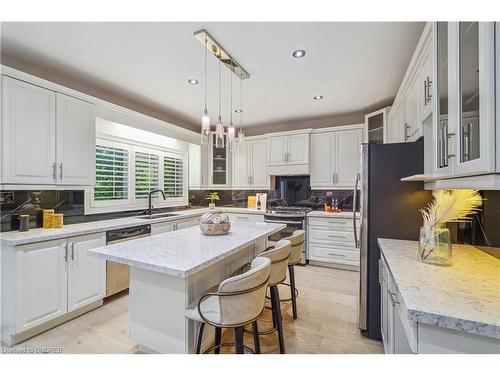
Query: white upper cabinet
x=259, y=177
x=413, y=127
x=42, y=146
x=474, y=71
x=426, y=82
x=278, y=147
x=298, y=149
x=28, y=133
x=198, y=166
x=347, y=157
x=288, y=154
x=248, y=169
x=86, y=274
x=75, y=141
x=335, y=157
x=464, y=131
x=322, y=163
x=241, y=167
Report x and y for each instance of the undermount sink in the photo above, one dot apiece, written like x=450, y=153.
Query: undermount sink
x=156, y=216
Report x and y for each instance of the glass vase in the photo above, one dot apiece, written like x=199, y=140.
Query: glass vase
x=435, y=246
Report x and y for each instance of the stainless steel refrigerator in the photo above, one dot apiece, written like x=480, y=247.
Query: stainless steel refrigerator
x=389, y=208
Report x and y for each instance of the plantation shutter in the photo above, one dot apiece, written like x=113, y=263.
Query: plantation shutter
x=146, y=173
x=173, y=173
x=111, y=173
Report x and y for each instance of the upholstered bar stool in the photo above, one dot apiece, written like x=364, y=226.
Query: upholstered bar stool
x=238, y=301
x=278, y=255
x=297, y=240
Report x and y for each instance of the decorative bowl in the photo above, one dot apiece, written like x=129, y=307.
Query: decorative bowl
x=215, y=229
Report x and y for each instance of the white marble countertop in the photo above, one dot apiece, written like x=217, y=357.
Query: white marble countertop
x=343, y=214
x=465, y=296
x=184, y=252
x=14, y=238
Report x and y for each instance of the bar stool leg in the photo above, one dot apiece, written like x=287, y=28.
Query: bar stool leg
x=238, y=335
x=200, y=337
x=279, y=322
x=218, y=334
x=256, y=339
x=291, y=272
x=273, y=307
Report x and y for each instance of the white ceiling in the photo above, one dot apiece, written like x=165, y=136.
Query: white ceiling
x=353, y=65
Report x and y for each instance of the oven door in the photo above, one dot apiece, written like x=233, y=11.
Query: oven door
x=291, y=226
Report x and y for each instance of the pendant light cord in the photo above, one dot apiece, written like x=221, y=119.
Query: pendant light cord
x=241, y=104
x=206, y=111
x=231, y=100
x=219, y=93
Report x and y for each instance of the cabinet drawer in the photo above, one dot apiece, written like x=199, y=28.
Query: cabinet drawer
x=331, y=236
x=335, y=223
x=246, y=217
x=333, y=254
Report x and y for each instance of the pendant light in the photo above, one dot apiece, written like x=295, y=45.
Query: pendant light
x=230, y=130
x=241, y=133
x=205, y=119
x=219, y=127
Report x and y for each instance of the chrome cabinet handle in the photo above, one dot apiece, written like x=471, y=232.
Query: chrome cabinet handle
x=72, y=251
x=393, y=300
x=61, y=171
x=425, y=92
x=66, y=253
x=337, y=255
x=334, y=236
x=429, y=95
x=54, y=171
x=354, y=204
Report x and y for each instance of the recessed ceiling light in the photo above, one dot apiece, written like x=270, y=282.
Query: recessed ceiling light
x=238, y=110
x=318, y=97
x=193, y=81
x=299, y=53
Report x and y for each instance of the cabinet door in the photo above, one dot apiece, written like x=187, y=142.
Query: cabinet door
x=260, y=178
x=347, y=155
x=181, y=224
x=41, y=283
x=75, y=141
x=413, y=129
x=86, y=274
x=298, y=149
x=240, y=170
x=28, y=133
x=322, y=160
x=194, y=166
x=277, y=147
x=219, y=164
x=476, y=98
x=162, y=227
x=426, y=81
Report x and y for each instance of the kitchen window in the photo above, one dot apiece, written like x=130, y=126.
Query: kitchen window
x=126, y=171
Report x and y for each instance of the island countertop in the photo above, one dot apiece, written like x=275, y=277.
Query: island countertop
x=465, y=296
x=184, y=252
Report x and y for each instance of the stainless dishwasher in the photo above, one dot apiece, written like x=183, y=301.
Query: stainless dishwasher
x=118, y=275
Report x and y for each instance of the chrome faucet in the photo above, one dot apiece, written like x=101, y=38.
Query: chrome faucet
x=150, y=206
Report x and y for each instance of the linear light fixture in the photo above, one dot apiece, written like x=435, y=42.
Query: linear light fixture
x=218, y=51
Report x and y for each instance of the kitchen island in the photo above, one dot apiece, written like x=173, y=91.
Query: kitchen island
x=171, y=271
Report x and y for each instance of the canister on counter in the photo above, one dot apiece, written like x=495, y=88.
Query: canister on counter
x=24, y=223
x=48, y=218
x=58, y=221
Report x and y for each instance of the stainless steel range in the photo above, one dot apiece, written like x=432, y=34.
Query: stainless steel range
x=293, y=217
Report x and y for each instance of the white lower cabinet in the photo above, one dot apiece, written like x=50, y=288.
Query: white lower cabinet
x=41, y=284
x=52, y=279
x=331, y=240
x=86, y=275
x=170, y=226
x=246, y=217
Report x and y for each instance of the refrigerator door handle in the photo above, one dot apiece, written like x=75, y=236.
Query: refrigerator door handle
x=354, y=204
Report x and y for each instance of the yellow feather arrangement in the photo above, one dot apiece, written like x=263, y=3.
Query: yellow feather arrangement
x=451, y=206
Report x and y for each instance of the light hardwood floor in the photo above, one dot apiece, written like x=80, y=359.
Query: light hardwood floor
x=327, y=321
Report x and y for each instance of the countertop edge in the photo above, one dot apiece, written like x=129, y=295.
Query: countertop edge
x=439, y=320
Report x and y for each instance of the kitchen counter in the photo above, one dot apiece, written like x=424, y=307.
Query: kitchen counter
x=182, y=253
x=321, y=213
x=463, y=297
x=169, y=272
x=15, y=238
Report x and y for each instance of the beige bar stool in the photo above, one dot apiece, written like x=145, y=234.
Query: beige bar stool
x=297, y=239
x=238, y=301
x=278, y=255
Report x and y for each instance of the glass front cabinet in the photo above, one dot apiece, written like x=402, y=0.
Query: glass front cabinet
x=219, y=161
x=464, y=127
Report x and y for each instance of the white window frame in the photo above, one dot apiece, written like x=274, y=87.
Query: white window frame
x=132, y=203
